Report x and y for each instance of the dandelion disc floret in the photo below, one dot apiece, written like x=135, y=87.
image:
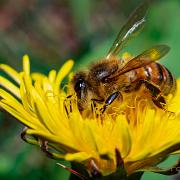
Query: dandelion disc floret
x=135, y=138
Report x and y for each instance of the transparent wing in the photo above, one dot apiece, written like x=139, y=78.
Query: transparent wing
x=134, y=24
x=145, y=58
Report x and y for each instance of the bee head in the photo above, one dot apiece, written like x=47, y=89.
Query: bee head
x=80, y=85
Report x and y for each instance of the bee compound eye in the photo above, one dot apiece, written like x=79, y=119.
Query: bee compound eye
x=80, y=84
x=80, y=87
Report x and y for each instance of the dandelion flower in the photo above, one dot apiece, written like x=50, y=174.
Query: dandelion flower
x=127, y=141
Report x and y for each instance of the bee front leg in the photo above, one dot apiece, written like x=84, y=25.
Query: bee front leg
x=94, y=101
x=156, y=94
x=110, y=100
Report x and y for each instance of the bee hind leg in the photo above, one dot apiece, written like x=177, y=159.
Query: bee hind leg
x=159, y=102
x=156, y=94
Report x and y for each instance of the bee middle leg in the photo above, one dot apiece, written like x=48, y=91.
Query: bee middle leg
x=156, y=94
x=110, y=100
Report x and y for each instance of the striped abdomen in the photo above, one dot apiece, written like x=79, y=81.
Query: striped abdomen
x=158, y=75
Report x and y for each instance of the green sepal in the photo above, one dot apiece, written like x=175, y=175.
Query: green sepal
x=170, y=171
x=120, y=174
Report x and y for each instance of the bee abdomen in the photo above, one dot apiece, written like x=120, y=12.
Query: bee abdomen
x=161, y=77
x=169, y=85
x=154, y=73
x=158, y=75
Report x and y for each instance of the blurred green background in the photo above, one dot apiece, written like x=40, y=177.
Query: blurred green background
x=51, y=31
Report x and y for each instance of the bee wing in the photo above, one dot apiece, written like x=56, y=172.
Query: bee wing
x=145, y=58
x=134, y=24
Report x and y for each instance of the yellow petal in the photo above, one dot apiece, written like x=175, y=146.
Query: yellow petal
x=10, y=86
x=11, y=72
x=78, y=157
x=37, y=76
x=174, y=105
x=65, y=69
x=52, y=76
x=26, y=65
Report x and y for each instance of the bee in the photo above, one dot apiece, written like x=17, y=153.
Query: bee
x=111, y=77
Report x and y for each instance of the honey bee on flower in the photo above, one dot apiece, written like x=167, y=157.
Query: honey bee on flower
x=112, y=77
x=122, y=145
